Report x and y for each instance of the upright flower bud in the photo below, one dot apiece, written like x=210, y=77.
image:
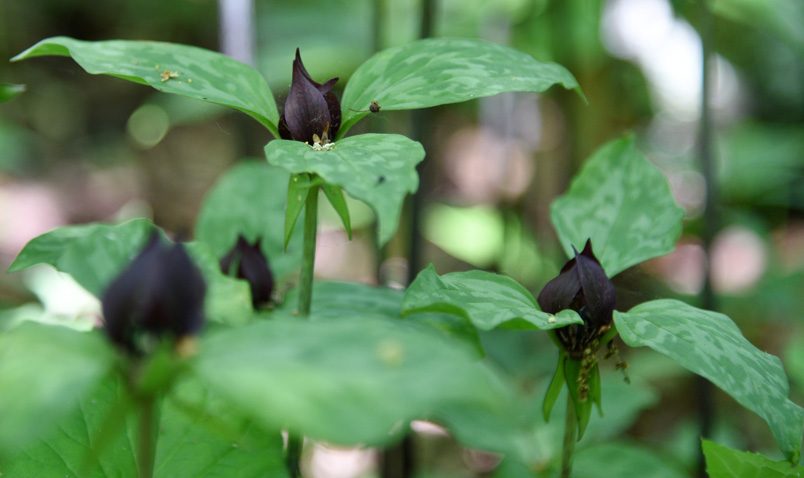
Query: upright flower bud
x=161, y=293
x=246, y=261
x=312, y=111
x=582, y=285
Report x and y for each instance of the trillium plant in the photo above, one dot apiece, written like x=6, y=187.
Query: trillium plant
x=222, y=357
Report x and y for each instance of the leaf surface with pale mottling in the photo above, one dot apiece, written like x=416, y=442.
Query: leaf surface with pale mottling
x=378, y=169
x=440, y=71
x=623, y=204
x=488, y=300
x=710, y=345
x=178, y=69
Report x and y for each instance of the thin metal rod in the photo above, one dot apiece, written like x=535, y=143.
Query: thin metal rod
x=703, y=389
x=420, y=132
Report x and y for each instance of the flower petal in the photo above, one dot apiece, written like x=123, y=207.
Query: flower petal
x=160, y=292
x=560, y=292
x=598, y=290
x=306, y=110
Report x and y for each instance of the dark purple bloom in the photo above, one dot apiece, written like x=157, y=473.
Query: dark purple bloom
x=251, y=265
x=582, y=285
x=312, y=111
x=161, y=293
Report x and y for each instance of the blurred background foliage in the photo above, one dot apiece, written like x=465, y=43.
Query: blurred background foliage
x=76, y=148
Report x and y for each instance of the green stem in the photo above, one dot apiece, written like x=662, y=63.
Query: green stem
x=308, y=258
x=293, y=455
x=146, y=449
x=570, y=431
x=295, y=442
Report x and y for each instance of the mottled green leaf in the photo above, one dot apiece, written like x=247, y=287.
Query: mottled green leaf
x=335, y=196
x=623, y=460
x=228, y=300
x=198, y=436
x=250, y=200
x=711, y=345
x=439, y=71
x=353, y=380
x=723, y=462
x=454, y=326
x=621, y=202
x=488, y=300
x=93, y=254
x=378, y=169
x=170, y=68
x=8, y=91
x=337, y=300
x=44, y=372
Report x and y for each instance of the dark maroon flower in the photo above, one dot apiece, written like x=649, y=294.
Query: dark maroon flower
x=161, y=293
x=312, y=111
x=582, y=285
x=251, y=265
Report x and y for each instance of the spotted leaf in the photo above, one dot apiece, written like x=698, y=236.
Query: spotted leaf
x=710, y=345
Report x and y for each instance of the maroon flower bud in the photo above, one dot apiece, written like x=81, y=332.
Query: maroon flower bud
x=246, y=261
x=312, y=111
x=161, y=293
x=582, y=285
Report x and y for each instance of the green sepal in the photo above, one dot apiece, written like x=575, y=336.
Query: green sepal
x=336, y=198
x=555, y=387
x=298, y=189
x=583, y=408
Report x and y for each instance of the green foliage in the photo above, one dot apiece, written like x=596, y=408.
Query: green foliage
x=170, y=68
x=352, y=380
x=378, y=169
x=93, y=254
x=335, y=197
x=199, y=436
x=623, y=460
x=9, y=91
x=228, y=300
x=487, y=300
x=710, y=344
x=723, y=462
x=339, y=300
x=45, y=371
x=249, y=200
x=439, y=71
x=621, y=202
x=555, y=387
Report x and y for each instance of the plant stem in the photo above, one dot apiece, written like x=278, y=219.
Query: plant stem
x=295, y=442
x=146, y=450
x=308, y=258
x=293, y=455
x=570, y=430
